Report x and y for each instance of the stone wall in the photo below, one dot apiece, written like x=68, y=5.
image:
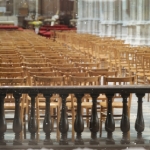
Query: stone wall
x=124, y=19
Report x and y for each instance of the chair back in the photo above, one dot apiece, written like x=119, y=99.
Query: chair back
x=130, y=80
x=84, y=81
x=13, y=82
x=48, y=81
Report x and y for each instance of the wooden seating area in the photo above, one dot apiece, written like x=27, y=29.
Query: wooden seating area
x=72, y=59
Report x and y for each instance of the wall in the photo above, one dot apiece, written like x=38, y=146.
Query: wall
x=124, y=19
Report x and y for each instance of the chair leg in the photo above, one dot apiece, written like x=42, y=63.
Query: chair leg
x=24, y=121
x=52, y=118
x=100, y=128
x=87, y=116
x=25, y=131
x=73, y=132
x=73, y=119
x=58, y=119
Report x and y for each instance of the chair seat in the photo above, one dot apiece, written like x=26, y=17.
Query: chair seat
x=103, y=57
x=52, y=104
x=114, y=104
x=12, y=105
x=140, y=74
x=147, y=74
x=102, y=97
x=84, y=104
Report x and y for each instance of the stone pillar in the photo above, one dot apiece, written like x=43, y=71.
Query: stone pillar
x=118, y=19
x=104, y=22
x=132, y=23
x=101, y=15
x=80, y=16
x=140, y=23
x=125, y=20
x=36, y=9
x=110, y=17
x=148, y=23
x=14, y=7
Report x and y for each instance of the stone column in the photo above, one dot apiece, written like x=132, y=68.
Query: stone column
x=125, y=20
x=148, y=23
x=36, y=9
x=14, y=7
x=101, y=15
x=104, y=22
x=118, y=19
x=140, y=23
x=80, y=15
x=93, y=15
x=110, y=17
x=132, y=22
x=58, y=6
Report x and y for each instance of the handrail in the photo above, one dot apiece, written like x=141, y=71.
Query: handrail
x=72, y=89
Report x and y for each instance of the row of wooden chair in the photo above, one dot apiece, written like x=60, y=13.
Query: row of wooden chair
x=48, y=79
x=104, y=51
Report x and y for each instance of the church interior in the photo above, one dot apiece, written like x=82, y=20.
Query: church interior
x=96, y=52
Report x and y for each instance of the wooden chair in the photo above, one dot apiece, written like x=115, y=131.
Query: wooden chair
x=86, y=104
x=115, y=104
x=11, y=74
x=35, y=65
x=67, y=69
x=38, y=69
x=87, y=66
x=99, y=69
x=38, y=73
x=33, y=60
x=11, y=65
x=103, y=73
x=11, y=69
x=55, y=99
x=80, y=60
x=9, y=104
x=61, y=65
x=9, y=56
x=57, y=61
x=67, y=77
x=10, y=61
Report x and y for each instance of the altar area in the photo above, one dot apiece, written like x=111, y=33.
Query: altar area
x=9, y=20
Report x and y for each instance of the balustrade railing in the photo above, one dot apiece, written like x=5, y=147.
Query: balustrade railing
x=79, y=91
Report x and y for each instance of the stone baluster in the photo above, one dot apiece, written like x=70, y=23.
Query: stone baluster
x=32, y=124
x=94, y=122
x=109, y=123
x=125, y=122
x=63, y=125
x=139, y=123
x=17, y=124
x=3, y=126
x=79, y=123
x=47, y=123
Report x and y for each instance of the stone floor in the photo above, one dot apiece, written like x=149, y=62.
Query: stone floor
x=9, y=135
